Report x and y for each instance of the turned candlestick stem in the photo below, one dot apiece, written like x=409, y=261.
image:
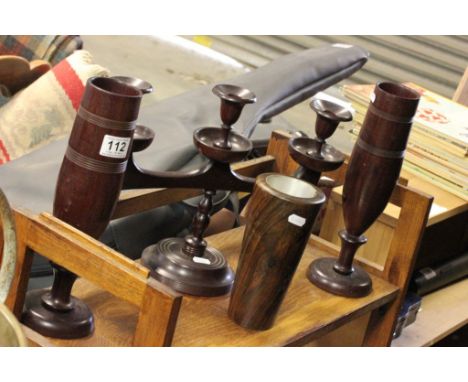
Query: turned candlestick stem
x=307, y=175
x=224, y=142
x=187, y=264
x=350, y=244
x=318, y=148
x=195, y=245
x=59, y=297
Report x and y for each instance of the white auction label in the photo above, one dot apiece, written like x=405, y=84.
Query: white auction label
x=296, y=220
x=201, y=260
x=114, y=147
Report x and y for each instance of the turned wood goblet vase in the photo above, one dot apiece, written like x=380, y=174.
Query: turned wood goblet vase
x=372, y=174
x=86, y=194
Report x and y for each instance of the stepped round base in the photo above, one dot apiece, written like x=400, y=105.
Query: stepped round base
x=322, y=274
x=207, y=276
x=75, y=323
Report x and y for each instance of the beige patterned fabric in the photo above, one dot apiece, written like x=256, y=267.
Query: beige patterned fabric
x=46, y=109
x=52, y=48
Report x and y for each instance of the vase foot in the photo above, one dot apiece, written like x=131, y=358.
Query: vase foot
x=77, y=322
x=207, y=276
x=322, y=274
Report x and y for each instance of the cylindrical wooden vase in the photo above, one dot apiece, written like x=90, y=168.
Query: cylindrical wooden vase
x=93, y=168
x=86, y=194
x=280, y=216
x=372, y=174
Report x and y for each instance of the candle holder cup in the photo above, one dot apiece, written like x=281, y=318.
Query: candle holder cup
x=314, y=155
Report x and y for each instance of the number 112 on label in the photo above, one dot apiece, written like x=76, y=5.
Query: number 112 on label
x=114, y=147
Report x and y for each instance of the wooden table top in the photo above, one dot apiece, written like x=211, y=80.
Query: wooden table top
x=306, y=313
x=442, y=313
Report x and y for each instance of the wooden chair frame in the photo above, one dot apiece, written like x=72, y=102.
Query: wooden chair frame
x=108, y=269
x=90, y=259
x=461, y=93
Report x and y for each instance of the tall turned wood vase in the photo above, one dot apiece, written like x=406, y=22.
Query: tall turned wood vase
x=86, y=194
x=280, y=216
x=372, y=174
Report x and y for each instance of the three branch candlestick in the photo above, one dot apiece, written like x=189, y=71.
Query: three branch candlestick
x=86, y=194
x=187, y=264
x=372, y=174
x=313, y=154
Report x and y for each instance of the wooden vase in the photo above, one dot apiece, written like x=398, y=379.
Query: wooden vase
x=86, y=194
x=280, y=216
x=372, y=174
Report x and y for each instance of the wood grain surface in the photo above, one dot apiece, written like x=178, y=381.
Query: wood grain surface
x=442, y=313
x=139, y=200
x=271, y=249
x=399, y=264
x=306, y=314
x=278, y=148
x=461, y=94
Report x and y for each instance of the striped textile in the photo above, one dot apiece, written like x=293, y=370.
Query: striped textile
x=50, y=48
x=46, y=109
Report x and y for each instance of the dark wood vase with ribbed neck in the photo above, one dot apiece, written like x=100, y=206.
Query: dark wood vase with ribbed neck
x=372, y=174
x=86, y=194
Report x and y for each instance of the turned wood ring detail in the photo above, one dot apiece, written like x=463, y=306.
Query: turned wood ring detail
x=105, y=122
x=388, y=116
x=391, y=154
x=95, y=164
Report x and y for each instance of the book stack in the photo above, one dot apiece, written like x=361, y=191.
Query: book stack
x=438, y=144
